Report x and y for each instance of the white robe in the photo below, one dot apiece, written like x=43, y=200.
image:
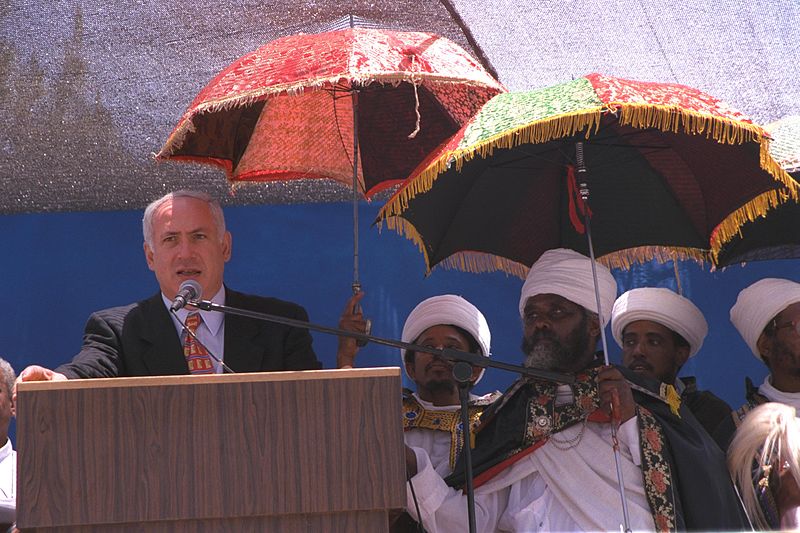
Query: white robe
x=548, y=490
x=8, y=483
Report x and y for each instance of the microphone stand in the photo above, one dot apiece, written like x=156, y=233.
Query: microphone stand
x=462, y=371
x=448, y=354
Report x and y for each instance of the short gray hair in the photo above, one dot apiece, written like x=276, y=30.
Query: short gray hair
x=149, y=212
x=9, y=376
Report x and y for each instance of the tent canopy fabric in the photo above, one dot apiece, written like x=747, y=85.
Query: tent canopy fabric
x=87, y=98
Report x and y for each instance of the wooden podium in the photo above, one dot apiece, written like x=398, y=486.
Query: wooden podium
x=285, y=451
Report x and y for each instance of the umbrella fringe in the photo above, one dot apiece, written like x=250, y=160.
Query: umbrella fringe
x=479, y=262
x=749, y=212
x=675, y=119
x=625, y=259
x=538, y=132
x=177, y=138
x=407, y=229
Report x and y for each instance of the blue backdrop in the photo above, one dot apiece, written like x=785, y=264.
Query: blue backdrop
x=58, y=268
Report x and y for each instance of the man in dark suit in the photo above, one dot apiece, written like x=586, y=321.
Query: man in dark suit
x=185, y=238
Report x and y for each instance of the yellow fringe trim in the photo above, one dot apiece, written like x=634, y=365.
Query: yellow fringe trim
x=479, y=262
x=409, y=231
x=537, y=132
x=676, y=120
x=625, y=259
x=749, y=212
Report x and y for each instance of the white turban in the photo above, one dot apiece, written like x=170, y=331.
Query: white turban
x=758, y=304
x=569, y=274
x=664, y=307
x=447, y=310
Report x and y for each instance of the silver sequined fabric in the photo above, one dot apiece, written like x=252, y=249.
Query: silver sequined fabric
x=90, y=89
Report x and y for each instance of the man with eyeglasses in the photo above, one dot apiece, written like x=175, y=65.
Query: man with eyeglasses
x=767, y=316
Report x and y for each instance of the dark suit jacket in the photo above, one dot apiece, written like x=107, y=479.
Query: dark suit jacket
x=141, y=340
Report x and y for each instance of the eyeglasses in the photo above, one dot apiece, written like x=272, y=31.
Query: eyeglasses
x=793, y=324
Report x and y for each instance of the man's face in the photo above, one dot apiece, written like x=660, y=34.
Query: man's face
x=649, y=349
x=187, y=245
x=431, y=373
x=557, y=334
x=781, y=351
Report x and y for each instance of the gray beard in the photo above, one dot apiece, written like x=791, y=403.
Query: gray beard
x=547, y=356
x=556, y=355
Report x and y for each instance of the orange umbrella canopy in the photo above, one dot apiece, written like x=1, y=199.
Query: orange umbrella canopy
x=286, y=111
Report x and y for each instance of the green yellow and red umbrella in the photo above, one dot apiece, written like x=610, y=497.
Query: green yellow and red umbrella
x=672, y=172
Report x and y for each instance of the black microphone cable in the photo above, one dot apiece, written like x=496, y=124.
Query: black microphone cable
x=420, y=528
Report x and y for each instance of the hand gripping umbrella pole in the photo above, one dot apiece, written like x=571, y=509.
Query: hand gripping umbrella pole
x=580, y=168
x=462, y=371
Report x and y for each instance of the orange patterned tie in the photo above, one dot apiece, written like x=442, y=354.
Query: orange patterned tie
x=196, y=354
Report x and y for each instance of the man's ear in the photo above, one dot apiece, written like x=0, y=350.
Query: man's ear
x=476, y=372
x=681, y=356
x=764, y=346
x=227, y=246
x=410, y=368
x=148, y=255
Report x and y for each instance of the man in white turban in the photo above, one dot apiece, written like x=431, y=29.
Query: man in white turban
x=658, y=331
x=432, y=414
x=767, y=316
x=544, y=457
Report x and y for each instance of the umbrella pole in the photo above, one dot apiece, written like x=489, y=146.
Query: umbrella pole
x=580, y=167
x=356, y=282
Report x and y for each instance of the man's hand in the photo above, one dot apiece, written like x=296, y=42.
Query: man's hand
x=36, y=373
x=615, y=394
x=352, y=319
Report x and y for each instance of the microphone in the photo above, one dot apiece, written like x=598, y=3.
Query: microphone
x=189, y=290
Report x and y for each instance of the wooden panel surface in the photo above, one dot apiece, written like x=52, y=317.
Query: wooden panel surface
x=209, y=447
x=349, y=522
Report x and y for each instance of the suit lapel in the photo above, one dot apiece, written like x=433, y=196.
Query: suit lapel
x=162, y=352
x=242, y=353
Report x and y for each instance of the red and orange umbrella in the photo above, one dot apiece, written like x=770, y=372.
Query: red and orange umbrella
x=285, y=111
x=360, y=106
